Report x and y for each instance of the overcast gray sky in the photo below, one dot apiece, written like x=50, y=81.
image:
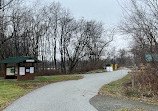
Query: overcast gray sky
x=107, y=11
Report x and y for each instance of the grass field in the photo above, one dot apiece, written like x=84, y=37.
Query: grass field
x=12, y=90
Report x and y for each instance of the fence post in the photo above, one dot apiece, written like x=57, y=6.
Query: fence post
x=135, y=71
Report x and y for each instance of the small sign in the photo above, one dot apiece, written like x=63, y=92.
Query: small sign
x=30, y=60
x=109, y=69
x=22, y=71
x=27, y=70
x=31, y=70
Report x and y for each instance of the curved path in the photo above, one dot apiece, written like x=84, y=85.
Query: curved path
x=106, y=103
x=66, y=96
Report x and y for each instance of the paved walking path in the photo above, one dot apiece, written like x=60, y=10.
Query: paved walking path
x=106, y=103
x=66, y=96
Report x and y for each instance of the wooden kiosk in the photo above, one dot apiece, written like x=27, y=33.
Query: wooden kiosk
x=20, y=68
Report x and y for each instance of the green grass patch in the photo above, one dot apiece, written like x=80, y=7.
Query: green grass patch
x=97, y=71
x=57, y=78
x=114, y=88
x=12, y=90
x=9, y=92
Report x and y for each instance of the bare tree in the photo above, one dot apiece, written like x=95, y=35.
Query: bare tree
x=52, y=34
x=5, y=4
x=141, y=23
x=54, y=15
x=86, y=41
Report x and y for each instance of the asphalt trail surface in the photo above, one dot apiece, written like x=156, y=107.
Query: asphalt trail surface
x=66, y=96
x=106, y=103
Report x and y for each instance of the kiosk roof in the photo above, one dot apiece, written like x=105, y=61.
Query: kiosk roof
x=15, y=60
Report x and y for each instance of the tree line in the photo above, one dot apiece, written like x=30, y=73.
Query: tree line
x=141, y=23
x=51, y=34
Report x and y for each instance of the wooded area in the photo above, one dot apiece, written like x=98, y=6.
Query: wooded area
x=141, y=23
x=53, y=35
x=66, y=44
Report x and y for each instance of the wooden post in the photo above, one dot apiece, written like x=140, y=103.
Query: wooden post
x=133, y=76
x=33, y=65
x=5, y=72
x=132, y=81
x=18, y=71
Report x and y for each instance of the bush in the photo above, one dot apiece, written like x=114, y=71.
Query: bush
x=49, y=72
x=146, y=81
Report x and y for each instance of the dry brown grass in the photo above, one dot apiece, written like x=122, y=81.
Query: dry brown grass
x=145, y=88
x=132, y=110
x=146, y=82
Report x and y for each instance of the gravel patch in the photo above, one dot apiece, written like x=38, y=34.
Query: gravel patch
x=105, y=103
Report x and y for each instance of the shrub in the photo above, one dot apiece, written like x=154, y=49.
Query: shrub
x=146, y=81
